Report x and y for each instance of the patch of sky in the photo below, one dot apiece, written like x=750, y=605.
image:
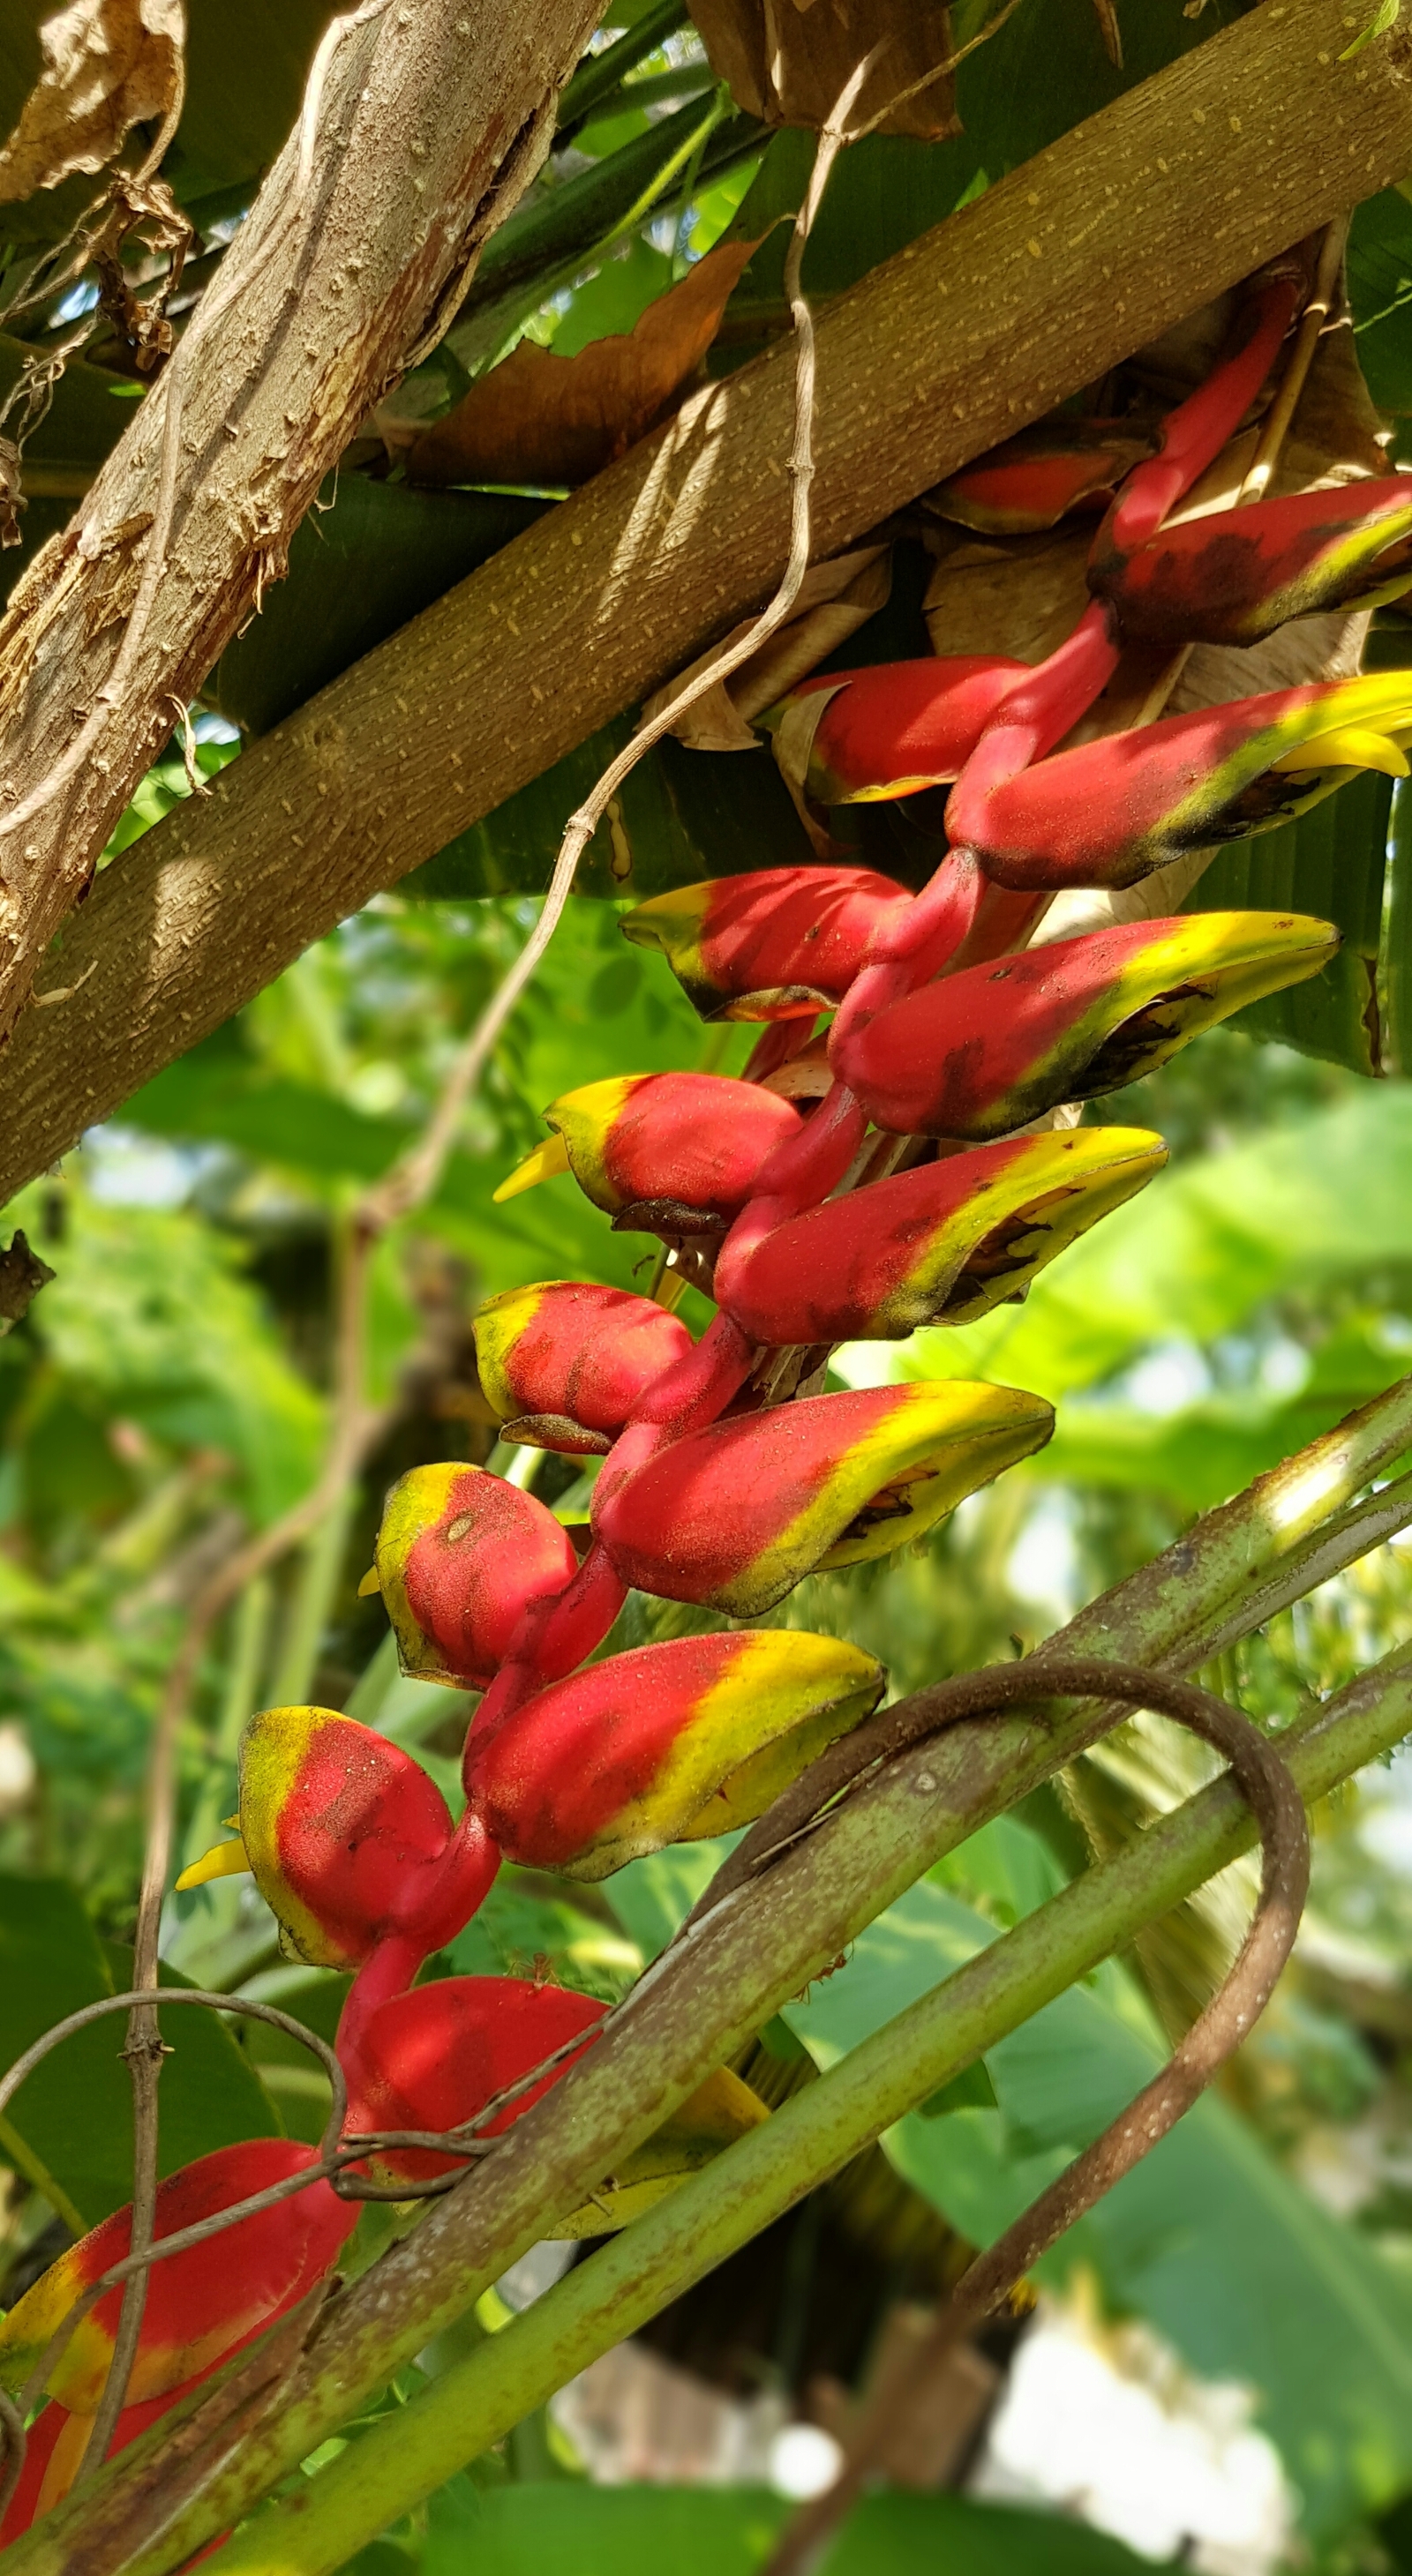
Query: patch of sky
x=80, y=299
x=123, y=1168
x=1044, y=1566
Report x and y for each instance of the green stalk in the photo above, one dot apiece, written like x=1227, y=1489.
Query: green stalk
x=480, y=2399
x=1229, y=1572
x=249, y=1630
x=320, y=1566
x=709, y=140
x=600, y=77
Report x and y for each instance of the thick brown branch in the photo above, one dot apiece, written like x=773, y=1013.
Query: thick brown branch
x=422, y=127
x=1100, y=242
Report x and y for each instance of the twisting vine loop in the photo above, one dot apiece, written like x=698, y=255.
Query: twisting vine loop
x=1266, y=1783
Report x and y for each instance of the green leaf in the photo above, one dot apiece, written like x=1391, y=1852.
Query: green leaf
x=522, y=2530
x=680, y=817
x=971, y=2090
x=526, y=1928
x=1386, y=16
x=218, y=1094
x=1330, y=863
x=291, y=2073
x=1208, y=2238
x=883, y=192
x=653, y=1896
x=1380, y=292
x=1397, y=937
x=615, y=297
x=1208, y=1450
x=1046, y=69
x=555, y=234
x=69, y=2128
x=600, y=76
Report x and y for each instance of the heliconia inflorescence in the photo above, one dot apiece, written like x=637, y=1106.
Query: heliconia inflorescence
x=896, y=1187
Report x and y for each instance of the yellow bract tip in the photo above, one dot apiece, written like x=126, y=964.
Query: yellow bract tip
x=371, y=1583
x=224, y=1860
x=544, y=1164
x=1348, y=747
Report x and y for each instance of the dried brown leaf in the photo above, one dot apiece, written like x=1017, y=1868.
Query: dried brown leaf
x=1015, y=595
x=786, y=61
x=108, y=65
x=835, y=599
x=22, y=1275
x=540, y=419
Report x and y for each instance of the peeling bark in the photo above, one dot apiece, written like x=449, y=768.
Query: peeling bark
x=432, y=120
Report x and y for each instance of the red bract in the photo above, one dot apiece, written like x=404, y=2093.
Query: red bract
x=350, y=1842
x=434, y=2058
x=1233, y=576
x=780, y=943
x=861, y=736
x=673, y=1153
x=663, y=1744
x=1111, y=811
x=936, y=1246
x=734, y=1516
x=201, y=2304
x=564, y=1362
x=990, y=1049
x=1193, y=435
x=1032, y=481
x=461, y=1556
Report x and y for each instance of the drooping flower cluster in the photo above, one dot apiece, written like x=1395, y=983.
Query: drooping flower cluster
x=900, y=1168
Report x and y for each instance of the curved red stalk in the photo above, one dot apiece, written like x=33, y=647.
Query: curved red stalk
x=1195, y=433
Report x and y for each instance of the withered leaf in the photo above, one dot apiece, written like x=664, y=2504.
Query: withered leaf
x=12, y=499
x=540, y=419
x=834, y=600
x=1019, y=595
x=108, y=65
x=22, y=1275
x=787, y=61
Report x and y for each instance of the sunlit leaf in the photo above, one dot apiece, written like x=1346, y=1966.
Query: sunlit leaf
x=1208, y=2238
